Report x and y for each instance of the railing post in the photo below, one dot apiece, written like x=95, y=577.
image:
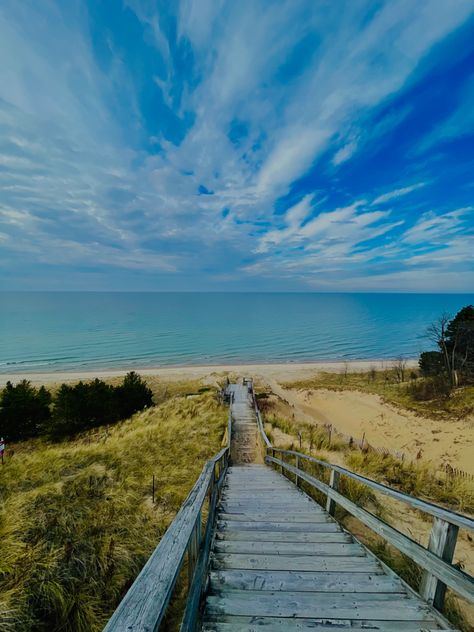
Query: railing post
x=297, y=465
x=334, y=484
x=442, y=543
x=198, y=533
x=192, y=555
x=194, y=548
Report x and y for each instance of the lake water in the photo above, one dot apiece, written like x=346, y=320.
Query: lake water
x=59, y=331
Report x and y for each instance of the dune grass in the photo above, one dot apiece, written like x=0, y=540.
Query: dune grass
x=77, y=521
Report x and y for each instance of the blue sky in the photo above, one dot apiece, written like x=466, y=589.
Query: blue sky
x=218, y=145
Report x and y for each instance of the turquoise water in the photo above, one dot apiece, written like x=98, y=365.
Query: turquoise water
x=75, y=331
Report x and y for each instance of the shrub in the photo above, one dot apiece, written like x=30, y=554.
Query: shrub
x=431, y=363
x=430, y=388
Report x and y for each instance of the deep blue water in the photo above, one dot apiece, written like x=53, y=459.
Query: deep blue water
x=49, y=331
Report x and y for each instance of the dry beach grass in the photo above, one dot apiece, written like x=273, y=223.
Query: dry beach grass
x=77, y=520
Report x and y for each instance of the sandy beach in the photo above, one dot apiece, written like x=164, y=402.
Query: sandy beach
x=283, y=371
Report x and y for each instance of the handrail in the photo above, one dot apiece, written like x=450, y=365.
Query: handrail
x=435, y=560
x=423, y=505
x=144, y=606
x=261, y=428
x=260, y=425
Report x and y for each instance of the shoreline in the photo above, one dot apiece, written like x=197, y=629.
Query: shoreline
x=282, y=370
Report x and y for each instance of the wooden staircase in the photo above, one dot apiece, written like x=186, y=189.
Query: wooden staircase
x=280, y=562
x=261, y=555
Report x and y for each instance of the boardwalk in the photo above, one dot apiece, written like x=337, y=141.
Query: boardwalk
x=261, y=555
x=280, y=562
x=243, y=445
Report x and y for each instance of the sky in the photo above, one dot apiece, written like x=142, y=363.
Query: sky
x=283, y=145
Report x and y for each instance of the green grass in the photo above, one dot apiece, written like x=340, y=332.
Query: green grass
x=384, y=383
x=77, y=522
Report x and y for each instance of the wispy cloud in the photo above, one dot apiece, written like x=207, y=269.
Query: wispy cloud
x=114, y=123
x=397, y=193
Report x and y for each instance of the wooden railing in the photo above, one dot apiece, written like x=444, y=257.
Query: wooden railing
x=435, y=560
x=188, y=538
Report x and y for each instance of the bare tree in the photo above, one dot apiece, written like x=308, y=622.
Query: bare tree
x=400, y=367
x=372, y=374
x=437, y=333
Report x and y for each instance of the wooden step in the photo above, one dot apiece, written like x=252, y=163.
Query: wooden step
x=279, y=525
x=298, y=517
x=289, y=548
x=228, y=623
x=283, y=536
x=303, y=581
x=323, y=605
x=330, y=564
x=259, y=507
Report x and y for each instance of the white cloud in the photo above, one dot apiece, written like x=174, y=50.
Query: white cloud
x=435, y=228
x=345, y=152
x=393, y=195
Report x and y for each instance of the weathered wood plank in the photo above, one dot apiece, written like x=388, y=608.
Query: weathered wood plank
x=295, y=505
x=259, y=489
x=442, y=542
x=353, y=606
x=334, y=484
x=261, y=525
x=275, y=624
x=283, y=536
x=288, y=548
x=297, y=518
x=303, y=581
x=295, y=563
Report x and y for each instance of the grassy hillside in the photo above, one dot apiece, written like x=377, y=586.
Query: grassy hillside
x=77, y=521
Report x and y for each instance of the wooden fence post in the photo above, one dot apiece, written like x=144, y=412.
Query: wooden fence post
x=194, y=548
x=192, y=554
x=297, y=465
x=442, y=543
x=334, y=484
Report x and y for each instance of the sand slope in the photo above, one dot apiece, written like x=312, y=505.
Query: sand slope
x=355, y=413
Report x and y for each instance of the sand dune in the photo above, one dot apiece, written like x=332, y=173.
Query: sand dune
x=358, y=414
